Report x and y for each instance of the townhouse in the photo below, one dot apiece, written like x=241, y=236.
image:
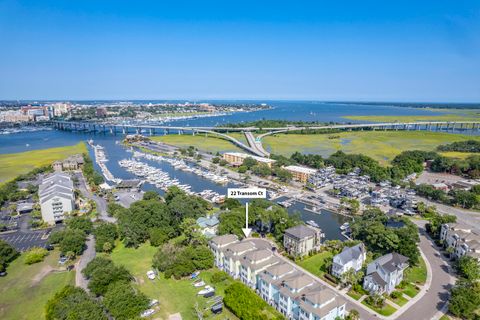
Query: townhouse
x=279, y=282
x=462, y=239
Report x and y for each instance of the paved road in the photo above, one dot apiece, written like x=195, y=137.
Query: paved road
x=468, y=217
x=436, y=297
x=87, y=256
x=100, y=202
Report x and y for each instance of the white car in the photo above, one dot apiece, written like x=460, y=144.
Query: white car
x=151, y=275
x=147, y=313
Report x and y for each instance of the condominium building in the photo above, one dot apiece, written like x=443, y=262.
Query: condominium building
x=301, y=174
x=279, y=282
x=56, y=197
x=302, y=239
x=236, y=158
x=463, y=240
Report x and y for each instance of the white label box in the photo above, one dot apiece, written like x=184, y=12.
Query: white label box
x=247, y=193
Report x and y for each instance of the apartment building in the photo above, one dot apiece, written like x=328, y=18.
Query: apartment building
x=301, y=174
x=236, y=159
x=56, y=196
x=463, y=240
x=302, y=239
x=291, y=291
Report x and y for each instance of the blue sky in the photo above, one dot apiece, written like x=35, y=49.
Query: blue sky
x=326, y=50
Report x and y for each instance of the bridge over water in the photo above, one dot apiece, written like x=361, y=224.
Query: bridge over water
x=254, y=144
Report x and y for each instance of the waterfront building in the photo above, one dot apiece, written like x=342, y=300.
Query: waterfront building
x=301, y=174
x=73, y=162
x=385, y=273
x=236, y=158
x=349, y=258
x=279, y=282
x=300, y=240
x=56, y=196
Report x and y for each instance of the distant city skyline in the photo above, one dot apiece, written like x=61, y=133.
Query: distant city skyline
x=409, y=51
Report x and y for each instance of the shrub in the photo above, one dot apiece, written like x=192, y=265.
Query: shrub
x=219, y=276
x=395, y=294
x=35, y=255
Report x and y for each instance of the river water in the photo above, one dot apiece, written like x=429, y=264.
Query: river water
x=304, y=111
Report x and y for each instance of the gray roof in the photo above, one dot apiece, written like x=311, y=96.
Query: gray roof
x=279, y=270
x=224, y=240
x=391, y=262
x=349, y=254
x=300, y=232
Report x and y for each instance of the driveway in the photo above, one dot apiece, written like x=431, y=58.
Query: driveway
x=100, y=202
x=87, y=256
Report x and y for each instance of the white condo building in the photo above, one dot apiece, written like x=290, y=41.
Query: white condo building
x=56, y=197
x=291, y=291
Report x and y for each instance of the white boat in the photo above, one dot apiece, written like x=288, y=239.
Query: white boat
x=345, y=226
x=199, y=284
x=313, y=223
x=206, y=290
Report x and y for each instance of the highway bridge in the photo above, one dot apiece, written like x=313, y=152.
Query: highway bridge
x=254, y=144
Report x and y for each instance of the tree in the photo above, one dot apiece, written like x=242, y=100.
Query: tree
x=102, y=272
x=282, y=174
x=7, y=255
x=245, y=303
x=69, y=240
x=242, y=169
x=105, y=233
x=249, y=162
x=261, y=170
x=465, y=299
x=191, y=231
x=353, y=315
x=35, y=255
x=80, y=223
x=151, y=195
x=158, y=236
x=73, y=303
x=123, y=302
x=469, y=268
x=107, y=247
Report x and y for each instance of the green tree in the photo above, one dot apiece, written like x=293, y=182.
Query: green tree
x=35, y=255
x=468, y=268
x=73, y=303
x=465, y=300
x=151, y=195
x=123, y=302
x=102, y=272
x=249, y=162
x=158, y=236
x=7, y=255
x=80, y=223
x=105, y=233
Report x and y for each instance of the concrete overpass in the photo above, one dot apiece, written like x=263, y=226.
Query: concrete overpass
x=254, y=144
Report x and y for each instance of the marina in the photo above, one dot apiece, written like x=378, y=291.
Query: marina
x=101, y=159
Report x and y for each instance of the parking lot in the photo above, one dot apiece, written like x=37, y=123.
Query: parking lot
x=23, y=241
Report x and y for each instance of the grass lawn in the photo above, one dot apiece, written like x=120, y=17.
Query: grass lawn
x=174, y=295
x=354, y=294
x=200, y=141
x=400, y=301
x=315, y=262
x=380, y=145
x=449, y=115
x=416, y=274
x=410, y=290
x=386, y=310
x=26, y=289
x=14, y=164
